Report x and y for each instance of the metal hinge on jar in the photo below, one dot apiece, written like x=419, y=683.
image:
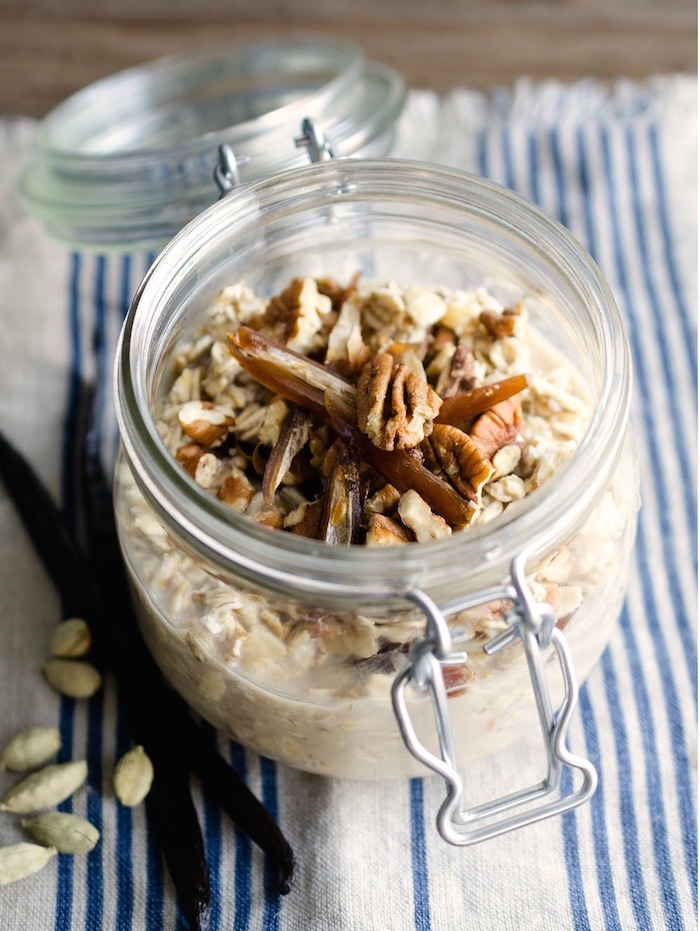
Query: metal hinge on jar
x=226, y=170
x=533, y=625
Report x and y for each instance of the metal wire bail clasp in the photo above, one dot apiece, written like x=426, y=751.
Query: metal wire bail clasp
x=314, y=139
x=533, y=624
x=226, y=173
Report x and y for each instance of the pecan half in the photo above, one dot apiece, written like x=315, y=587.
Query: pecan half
x=497, y=427
x=395, y=408
x=461, y=459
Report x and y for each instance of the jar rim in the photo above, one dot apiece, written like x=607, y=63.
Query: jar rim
x=95, y=182
x=310, y=567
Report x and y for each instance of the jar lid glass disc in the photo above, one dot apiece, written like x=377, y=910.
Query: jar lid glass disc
x=128, y=161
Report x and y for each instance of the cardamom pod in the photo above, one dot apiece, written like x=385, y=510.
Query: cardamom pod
x=70, y=639
x=67, y=833
x=72, y=677
x=30, y=748
x=20, y=860
x=45, y=788
x=133, y=776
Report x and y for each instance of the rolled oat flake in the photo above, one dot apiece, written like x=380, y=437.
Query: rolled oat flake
x=32, y=747
x=20, y=860
x=66, y=832
x=45, y=788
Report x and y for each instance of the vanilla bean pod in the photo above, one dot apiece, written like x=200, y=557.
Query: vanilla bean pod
x=223, y=783
x=151, y=705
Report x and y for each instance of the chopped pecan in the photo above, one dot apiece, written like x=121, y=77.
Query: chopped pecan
x=383, y=531
x=236, y=490
x=395, y=408
x=295, y=316
x=272, y=518
x=188, y=456
x=337, y=292
x=383, y=500
x=415, y=513
x=203, y=422
x=304, y=520
x=457, y=679
x=346, y=351
x=497, y=427
x=461, y=459
x=498, y=325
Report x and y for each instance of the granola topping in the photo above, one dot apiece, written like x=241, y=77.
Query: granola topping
x=361, y=396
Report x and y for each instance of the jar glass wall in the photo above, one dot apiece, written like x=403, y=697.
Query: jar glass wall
x=237, y=616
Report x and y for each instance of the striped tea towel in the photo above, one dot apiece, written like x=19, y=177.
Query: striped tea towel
x=618, y=168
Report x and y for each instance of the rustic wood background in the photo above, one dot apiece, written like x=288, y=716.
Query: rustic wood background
x=50, y=48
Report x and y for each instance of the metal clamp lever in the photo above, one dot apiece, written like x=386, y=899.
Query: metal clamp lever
x=533, y=624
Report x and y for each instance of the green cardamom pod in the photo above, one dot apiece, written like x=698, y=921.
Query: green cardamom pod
x=45, y=788
x=30, y=748
x=133, y=776
x=70, y=639
x=20, y=860
x=72, y=677
x=66, y=832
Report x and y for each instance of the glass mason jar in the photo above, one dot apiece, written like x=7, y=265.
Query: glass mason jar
x=234, y=612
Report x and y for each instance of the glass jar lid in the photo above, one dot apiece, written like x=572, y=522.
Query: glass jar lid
x=126, y=162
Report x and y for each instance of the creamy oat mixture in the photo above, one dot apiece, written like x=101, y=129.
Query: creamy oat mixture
x=379, y=364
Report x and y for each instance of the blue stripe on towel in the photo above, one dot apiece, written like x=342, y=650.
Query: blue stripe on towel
x=419, y=860
x=669, y=254
x=606, y=887
x=628, y=815
x=273, y=900
x=213, y=846
x=244, y=858
x=664, y=356
x=577, y=895
x=656, y=629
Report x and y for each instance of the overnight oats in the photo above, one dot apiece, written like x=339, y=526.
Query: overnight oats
x=382, y=417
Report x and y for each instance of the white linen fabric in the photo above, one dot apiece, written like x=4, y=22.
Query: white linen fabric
x=618, y=167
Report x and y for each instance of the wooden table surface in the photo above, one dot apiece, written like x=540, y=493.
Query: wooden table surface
x=50, y=48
